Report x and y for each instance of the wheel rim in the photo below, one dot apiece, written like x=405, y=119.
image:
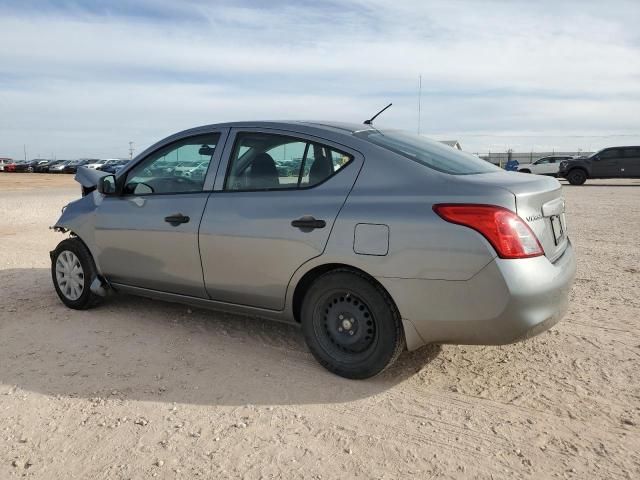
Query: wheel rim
x=69, y=275
x=345, y=325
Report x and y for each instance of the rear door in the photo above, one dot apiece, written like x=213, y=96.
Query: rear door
x=630, y=167
x=607, y=163
x=276, y=198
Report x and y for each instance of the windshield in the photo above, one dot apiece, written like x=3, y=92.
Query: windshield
x=429, y=153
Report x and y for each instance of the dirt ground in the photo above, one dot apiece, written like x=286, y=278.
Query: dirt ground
x=136, y=388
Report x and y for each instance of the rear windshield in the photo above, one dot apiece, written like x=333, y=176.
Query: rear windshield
x=429, y=153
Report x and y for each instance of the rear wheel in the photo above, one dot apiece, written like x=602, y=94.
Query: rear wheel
x=72, y=271
x=577, y=177
x=351, y=325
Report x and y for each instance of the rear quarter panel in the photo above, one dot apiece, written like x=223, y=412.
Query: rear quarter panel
x=399, y=193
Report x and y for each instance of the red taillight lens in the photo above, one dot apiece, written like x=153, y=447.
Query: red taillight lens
x=506, y=231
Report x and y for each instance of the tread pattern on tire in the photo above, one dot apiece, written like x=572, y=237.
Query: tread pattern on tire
x=397, y=320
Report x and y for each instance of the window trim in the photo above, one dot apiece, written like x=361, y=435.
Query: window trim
x=308, y=139
x=209, y=178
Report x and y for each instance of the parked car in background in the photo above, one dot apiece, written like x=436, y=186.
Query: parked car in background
x=114, y=166
x=98, y=164
x=376, y=240
x=13, y=166
x=43, y=167
x=21, y=166
x=544, y=166
x=613, y=162
x=58, y=167
x=4, y=162
x=72, y=166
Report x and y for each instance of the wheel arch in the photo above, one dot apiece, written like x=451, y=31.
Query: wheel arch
x=302, y=286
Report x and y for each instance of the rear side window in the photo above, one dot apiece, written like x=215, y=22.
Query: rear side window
x=611, y=153
x=428, y=152
x=262, y=161
x=632, y=152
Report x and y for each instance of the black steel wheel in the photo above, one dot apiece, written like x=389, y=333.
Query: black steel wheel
x=351, y=324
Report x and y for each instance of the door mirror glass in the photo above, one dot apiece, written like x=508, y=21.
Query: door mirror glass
x=107, y=185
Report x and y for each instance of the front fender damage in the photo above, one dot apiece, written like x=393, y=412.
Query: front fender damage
x=78, y=220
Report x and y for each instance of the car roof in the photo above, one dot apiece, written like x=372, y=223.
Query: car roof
x=345, y=128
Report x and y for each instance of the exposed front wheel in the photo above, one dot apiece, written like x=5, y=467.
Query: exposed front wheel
x=577, y=177
x=72, y=271
x=351, y=325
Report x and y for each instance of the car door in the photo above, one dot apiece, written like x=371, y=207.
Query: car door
x=545, y=166
x=606, y=164
x=148, y=235
x=630, y=163
x=276, y=198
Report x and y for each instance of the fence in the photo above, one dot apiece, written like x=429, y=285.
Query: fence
x=501, y=158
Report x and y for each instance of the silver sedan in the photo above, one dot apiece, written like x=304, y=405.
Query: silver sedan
x=371, y=240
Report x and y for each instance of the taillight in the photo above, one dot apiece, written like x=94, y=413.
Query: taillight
x=506, y=231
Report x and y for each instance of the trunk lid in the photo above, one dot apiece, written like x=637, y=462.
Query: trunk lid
x=539, y=202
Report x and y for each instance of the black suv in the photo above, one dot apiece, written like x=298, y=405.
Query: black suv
x=613, y=162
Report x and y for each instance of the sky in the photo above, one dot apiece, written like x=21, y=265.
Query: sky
x=84, y=78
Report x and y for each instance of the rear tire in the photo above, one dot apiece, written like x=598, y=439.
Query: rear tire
x=577, y=177
x=72, y=271
x=351, y=325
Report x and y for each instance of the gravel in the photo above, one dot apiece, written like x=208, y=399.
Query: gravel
x=563, y=404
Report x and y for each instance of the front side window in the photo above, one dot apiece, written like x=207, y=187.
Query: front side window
x=542, y=161
x=611, y=153
x=177, y=168
x=262, y=161
x=427, y=152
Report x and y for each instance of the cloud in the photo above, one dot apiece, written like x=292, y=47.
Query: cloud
x=84, y=78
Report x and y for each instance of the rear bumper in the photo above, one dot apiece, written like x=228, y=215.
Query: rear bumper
x=507, y=301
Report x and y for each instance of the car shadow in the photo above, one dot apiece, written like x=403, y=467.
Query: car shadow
x=140, y=349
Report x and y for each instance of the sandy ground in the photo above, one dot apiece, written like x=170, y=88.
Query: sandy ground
x=137, y=388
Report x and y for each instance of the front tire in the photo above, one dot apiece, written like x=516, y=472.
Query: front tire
x=72, y=272
x=351, y=325
x=577, y=177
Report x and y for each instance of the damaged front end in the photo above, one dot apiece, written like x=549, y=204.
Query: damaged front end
x=88, y=179
x=78, y=220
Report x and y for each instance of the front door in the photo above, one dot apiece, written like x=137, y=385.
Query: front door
x=148, y=236
x=546, y=166
x=271, y=212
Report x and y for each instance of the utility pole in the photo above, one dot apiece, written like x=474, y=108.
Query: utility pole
x=419, y=101
x=130, y=150
x=24, y=147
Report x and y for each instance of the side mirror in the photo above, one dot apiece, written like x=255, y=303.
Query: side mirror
x=107, y=185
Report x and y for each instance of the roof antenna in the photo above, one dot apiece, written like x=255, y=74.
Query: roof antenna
x=370, y=121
